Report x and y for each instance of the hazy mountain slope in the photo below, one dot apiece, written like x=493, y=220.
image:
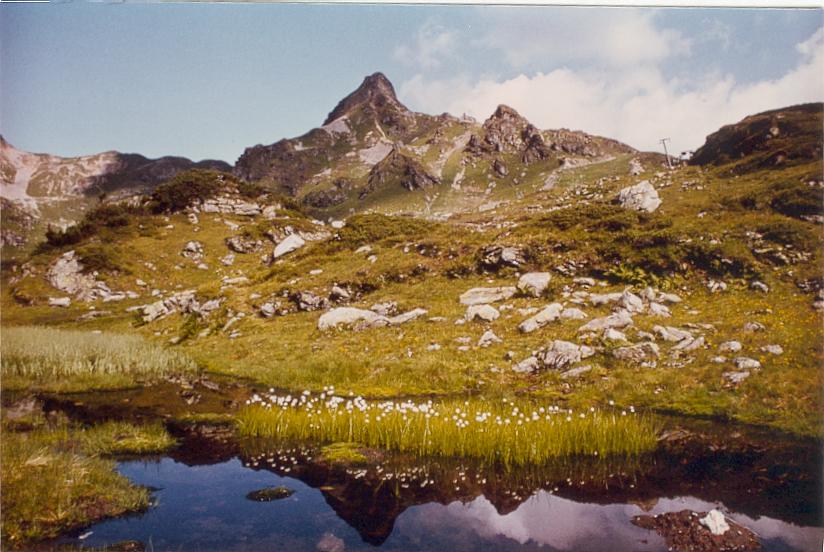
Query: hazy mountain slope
x=50, y=189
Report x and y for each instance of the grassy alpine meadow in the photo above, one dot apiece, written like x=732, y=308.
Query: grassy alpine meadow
x=506, y=432
x=61, y=359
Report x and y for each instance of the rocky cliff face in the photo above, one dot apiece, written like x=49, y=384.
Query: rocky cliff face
x=771, y=139
x=371, y=141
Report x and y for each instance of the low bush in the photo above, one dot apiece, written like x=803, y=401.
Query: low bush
x=366, y=229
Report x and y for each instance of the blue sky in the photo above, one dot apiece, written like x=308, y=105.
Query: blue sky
x=207, y=80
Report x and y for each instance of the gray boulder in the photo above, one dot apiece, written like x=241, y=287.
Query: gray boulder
x=641, y=197
x=533, y=283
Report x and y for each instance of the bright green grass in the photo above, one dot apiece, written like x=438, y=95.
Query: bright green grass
x=57, y=357
x=505, y=432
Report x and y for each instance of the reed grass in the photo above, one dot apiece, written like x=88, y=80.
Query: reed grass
x=505, y=432
x=112, y=438
x=42, y=353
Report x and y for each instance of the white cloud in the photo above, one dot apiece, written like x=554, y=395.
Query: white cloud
x=433, y=43
x=612, y=37
x=636, y=105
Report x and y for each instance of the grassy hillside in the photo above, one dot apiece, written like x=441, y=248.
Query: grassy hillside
x=711, y=227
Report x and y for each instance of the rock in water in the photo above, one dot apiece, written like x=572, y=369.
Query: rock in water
x=641, y=197
x=715, y=522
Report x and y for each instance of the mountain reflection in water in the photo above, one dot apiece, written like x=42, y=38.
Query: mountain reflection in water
x=398, y=504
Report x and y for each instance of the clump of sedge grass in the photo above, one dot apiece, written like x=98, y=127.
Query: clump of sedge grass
x=111, y=438
x=45, y=353
x=505, y=432
x=50, y=486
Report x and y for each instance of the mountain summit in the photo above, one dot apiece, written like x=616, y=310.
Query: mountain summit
x=375, y=93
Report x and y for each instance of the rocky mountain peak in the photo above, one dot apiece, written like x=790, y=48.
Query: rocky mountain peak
x=375, y=92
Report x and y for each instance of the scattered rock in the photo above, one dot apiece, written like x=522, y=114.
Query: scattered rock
x=193, y=250
x=620, y=319
x=729, y=347
x=548, y=314
x=587, y=282
x=573, y=314
x=604, y=298
x=641, y=197
x=307, y=301
x=754, y=327
x=484, y=313
x=670, y=333
x=773, y=349
x=735, y=377
x=228, y=260
x=534, y=283
x=746, y=363
x=387, y=308
x=340, y=294
x=762, y=287
x=611, y=334
x=488, y=338
x=657, y=309
x=243, y=244
x=482, y=296
x=349, y=315
x=631, y=302
x=291, y=243
x=575, y=372
x=59, y=301
x=495, y=257
x=561, y=354
x=637, y=353
x=407, y=316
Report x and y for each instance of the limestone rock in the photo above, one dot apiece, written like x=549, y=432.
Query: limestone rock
x=715, y=522
x=347, y=316
x=620, y=319
x=484, y=313
x=533, y=283
x=291, y=243
x=483, y=296
x=548, y=314
x=637, y=353
x=641, y=197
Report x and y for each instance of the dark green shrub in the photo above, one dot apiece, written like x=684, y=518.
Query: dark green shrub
x=185, y=188
x=364, y=229
x=98, y=258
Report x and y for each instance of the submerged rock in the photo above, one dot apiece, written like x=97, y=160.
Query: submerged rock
x=270, y=493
